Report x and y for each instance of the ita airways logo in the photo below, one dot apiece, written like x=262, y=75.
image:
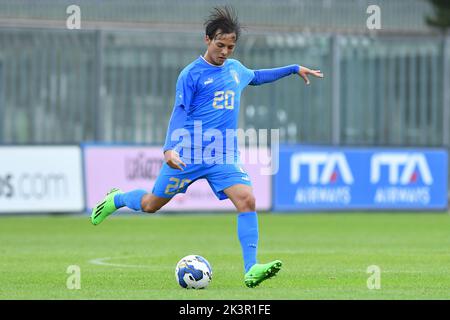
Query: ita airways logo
x=322, y=171
x=323, y=167
x=408, y=178
x=402, y=168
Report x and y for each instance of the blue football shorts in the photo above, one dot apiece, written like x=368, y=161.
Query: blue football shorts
x=219, y=176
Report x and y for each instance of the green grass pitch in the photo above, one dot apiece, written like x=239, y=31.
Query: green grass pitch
x=133, y=256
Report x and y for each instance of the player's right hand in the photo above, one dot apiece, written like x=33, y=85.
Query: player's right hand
x=172, y=158
x=304, y=72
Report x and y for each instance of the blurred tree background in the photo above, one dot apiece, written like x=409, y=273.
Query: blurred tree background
x=441, y=17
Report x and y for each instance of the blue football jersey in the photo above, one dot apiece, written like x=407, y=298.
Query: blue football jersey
x=211, y=98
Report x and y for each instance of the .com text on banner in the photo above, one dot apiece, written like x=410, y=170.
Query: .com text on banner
x=41, y=179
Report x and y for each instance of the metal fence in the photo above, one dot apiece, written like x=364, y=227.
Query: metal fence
x=60, y=86
x=293, y=15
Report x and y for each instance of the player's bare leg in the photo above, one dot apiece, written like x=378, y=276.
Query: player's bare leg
x=243, y=199
x=151, y=203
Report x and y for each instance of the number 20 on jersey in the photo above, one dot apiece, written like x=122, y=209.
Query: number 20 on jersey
x=224, y=99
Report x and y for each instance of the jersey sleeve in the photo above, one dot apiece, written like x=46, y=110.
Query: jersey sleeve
x=177, y=121
x=185, y=89
x=270, y=75
x=246, y=74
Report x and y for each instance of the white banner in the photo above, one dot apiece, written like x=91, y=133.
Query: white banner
x=41, y=179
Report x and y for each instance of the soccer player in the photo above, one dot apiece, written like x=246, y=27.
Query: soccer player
x=207, y=99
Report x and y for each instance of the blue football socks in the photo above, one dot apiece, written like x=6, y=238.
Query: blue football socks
x=247, y=228
x=130, y=199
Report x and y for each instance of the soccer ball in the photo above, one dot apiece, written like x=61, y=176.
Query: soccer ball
x=193, y=272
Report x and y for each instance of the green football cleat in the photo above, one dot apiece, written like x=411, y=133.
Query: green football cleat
x=104, y=208
x=260, y=272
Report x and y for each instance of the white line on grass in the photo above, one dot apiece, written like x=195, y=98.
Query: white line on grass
x=102, y=262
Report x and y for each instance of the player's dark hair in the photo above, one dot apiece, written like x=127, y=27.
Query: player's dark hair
x=223, y=19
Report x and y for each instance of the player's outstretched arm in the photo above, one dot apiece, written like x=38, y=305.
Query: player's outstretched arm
x=270, y=75
x=304, y=72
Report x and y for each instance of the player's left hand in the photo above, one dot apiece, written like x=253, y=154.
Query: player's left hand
x=172, y=158
x=304, y=72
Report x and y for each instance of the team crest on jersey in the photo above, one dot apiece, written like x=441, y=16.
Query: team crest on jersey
x=235, y=75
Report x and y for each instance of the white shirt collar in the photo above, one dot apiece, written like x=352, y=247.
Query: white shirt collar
x=213, y=65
